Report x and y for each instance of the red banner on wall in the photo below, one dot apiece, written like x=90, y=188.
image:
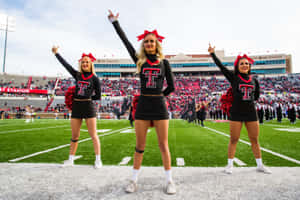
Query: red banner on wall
x=23, y=91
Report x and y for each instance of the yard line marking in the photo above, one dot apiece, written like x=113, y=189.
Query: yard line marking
x=263, y=149
x=239, y=162
x=294, y=130
x=32, y=129
x=278, y=125
x=180, y=162
x=98, y=130
x=132, y=131
x=125, y=161
x=60, y=147
x=77, y=157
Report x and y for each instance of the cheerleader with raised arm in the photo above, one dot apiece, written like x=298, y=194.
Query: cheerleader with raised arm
x=245, y=92
x=153, y=69
x=87, y=89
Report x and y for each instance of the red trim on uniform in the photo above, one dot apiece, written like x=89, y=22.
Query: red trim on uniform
x=246, y=81
x=153, y=63
x=244, y=85
x=86, y=78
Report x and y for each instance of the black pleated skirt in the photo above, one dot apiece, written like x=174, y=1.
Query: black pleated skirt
x=83, y=109
x=151, y=108
x=243, y=117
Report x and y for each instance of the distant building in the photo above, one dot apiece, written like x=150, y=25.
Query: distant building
x=198, y=65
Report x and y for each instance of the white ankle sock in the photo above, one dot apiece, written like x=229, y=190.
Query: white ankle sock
x=98, y=157
x=71, y=157
x=230, y=161
x=259, y=162
x=169, y=175
x=135, y=173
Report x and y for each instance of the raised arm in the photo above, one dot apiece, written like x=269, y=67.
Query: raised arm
x=227, y=73
x=114, y=20
x=170, y=79
x=70, y=69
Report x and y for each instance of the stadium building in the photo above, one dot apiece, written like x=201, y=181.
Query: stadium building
x=198, y=65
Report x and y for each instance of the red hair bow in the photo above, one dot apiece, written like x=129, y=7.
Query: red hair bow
x=88, y=55
x=159, y=37
x=251, y=61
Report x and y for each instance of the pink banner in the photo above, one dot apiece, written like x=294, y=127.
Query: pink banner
x=23, y=91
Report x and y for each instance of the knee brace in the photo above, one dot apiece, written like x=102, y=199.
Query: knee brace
x=74, y=140
x=139, y=151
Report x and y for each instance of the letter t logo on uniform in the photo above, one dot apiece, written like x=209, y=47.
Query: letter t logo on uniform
x=82, y=87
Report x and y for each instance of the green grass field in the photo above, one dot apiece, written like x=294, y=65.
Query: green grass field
x=197, y=145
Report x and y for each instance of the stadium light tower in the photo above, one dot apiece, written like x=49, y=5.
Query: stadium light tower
x=7, y=23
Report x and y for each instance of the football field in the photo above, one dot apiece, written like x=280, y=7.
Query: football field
x=47, y=141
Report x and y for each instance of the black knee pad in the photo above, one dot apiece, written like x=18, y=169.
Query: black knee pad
x=139, y=151
x=74, y=140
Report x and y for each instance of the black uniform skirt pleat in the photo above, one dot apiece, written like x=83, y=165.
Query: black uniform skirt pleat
x=151, y=108
x=83, y=109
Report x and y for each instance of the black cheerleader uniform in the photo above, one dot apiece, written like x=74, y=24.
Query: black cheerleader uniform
x=202, y=113
x=87, y=89
x=152, y=75
x=245, y=92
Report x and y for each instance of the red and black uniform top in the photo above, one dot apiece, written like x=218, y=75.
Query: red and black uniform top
x=153, y=72
x=245, y=89
x=87, y=84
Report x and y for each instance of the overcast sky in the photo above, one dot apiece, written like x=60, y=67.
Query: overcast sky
x=254, y=26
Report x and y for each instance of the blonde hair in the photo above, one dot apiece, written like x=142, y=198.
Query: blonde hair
x=142, y=58
x=92, y=66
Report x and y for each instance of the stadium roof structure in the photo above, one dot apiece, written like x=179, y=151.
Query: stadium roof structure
x=199, y=65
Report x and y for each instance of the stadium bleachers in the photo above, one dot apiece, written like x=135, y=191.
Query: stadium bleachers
x=198, y=88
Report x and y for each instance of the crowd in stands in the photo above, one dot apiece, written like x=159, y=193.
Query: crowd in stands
x=280, y=89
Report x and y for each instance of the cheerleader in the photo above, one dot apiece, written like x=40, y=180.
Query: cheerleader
x=245, y=92
x=151, y=108
x=87, y=89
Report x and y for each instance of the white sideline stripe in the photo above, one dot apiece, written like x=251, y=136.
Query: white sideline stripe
x=125, y=161
x=239, y=162
x=36, y=122
x=60, y=147
x=263, y=149
x=180, y=162
x=32, y=129
x=77, y=157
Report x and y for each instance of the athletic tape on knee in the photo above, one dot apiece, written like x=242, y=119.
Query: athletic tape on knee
x=139, y=151
x=74, y=140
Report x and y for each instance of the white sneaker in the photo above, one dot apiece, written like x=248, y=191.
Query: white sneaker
x=131, y=187
x=228, y=169
x=68, y=163
x=98, y=164
x=171, y=188
x=263, y=169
